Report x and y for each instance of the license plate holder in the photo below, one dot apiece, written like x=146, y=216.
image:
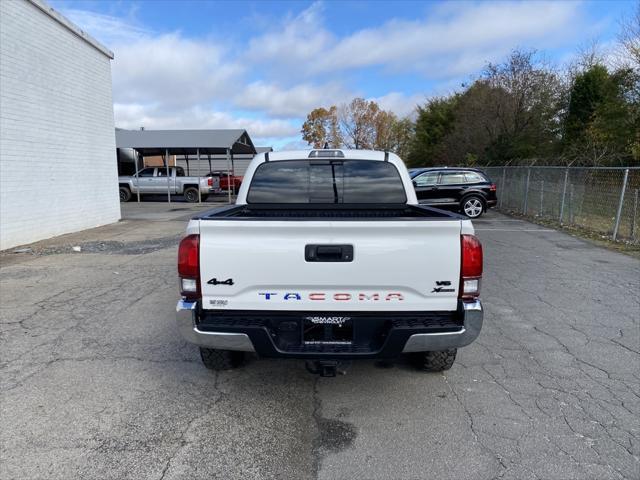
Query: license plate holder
x=327, y=330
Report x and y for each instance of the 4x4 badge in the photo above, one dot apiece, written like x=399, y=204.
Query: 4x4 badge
x=215, y=281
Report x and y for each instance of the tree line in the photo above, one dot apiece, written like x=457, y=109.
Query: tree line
x=519, y=110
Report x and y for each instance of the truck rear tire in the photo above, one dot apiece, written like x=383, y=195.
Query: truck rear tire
x=125, y=194
x=191, y=194
x=221, y=359
x=435, y=361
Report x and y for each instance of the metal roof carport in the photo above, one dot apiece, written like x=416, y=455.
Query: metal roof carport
x=186, y=142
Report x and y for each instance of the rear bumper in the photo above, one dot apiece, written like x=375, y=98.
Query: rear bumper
x=428, y=342
x=492, y=203
x=254, y=336
x=186, y=315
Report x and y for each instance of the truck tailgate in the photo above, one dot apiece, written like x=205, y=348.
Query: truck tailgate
x=396, y=265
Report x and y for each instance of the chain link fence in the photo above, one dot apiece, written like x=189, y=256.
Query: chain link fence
x=601, y=200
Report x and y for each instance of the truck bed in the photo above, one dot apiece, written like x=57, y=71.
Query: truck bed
x=333, y=212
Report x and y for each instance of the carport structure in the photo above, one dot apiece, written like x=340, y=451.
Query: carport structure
x=185, y=142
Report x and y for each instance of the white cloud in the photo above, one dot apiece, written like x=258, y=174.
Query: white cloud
x=168, y=80
x=399, y=103
x=296, y=39
x=107, y=28
x=172, y=70
x=454, y=39
x=295, y=101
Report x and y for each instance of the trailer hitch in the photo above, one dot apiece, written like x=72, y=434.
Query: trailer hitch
x=326, y=368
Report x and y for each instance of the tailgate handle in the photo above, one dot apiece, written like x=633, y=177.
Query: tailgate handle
x=328, y=253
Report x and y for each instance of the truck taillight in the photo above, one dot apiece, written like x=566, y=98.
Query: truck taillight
x=471, y=267
x=210, y=181
x=189, y=267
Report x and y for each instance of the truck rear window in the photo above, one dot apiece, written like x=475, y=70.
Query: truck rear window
x=326, y=181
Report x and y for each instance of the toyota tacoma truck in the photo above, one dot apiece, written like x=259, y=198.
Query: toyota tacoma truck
x=328, y=256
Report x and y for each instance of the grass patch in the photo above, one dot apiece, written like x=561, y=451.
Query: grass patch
x=600, y=239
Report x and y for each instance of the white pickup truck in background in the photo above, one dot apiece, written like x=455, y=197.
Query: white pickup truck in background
x=327, y=256
x=154, y=181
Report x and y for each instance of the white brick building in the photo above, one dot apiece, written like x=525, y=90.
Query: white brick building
x=58, y=171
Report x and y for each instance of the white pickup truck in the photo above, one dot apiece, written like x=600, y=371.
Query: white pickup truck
x=327, y=256
x=154, y=180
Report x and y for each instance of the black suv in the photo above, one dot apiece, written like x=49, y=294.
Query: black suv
x=466, y=190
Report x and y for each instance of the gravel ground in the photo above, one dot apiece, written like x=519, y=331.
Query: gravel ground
x=96, y=383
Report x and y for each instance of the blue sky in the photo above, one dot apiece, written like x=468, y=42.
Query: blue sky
x=264, y=65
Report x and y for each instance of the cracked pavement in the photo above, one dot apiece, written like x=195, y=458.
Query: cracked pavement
x=96, y=383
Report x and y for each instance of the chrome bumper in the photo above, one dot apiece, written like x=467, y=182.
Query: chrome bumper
x=186, y=316
x=430, y=342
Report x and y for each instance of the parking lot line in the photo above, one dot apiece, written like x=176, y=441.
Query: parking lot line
x=514, y=230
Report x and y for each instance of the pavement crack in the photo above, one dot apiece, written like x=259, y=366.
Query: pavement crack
x=472, y=427
x=182, y=439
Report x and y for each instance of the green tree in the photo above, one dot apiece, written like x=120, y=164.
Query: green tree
x=402, y=132
x=603, y=117
x=589, y=91
x=478, y=129
x=509, y=112
x=435, y=120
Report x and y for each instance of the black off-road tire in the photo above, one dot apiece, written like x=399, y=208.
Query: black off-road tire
x=435, y=361
x=125, y=194
x=191, y=195
x=221, y=359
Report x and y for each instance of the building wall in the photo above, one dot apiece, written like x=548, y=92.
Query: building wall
x=58, y=171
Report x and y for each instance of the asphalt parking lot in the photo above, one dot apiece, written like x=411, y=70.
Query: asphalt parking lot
x=96, y=383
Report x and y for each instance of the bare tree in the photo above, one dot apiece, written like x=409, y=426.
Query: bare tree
x=587, y=56
x=533, y=91
x=358, y=123
x=629, y=38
